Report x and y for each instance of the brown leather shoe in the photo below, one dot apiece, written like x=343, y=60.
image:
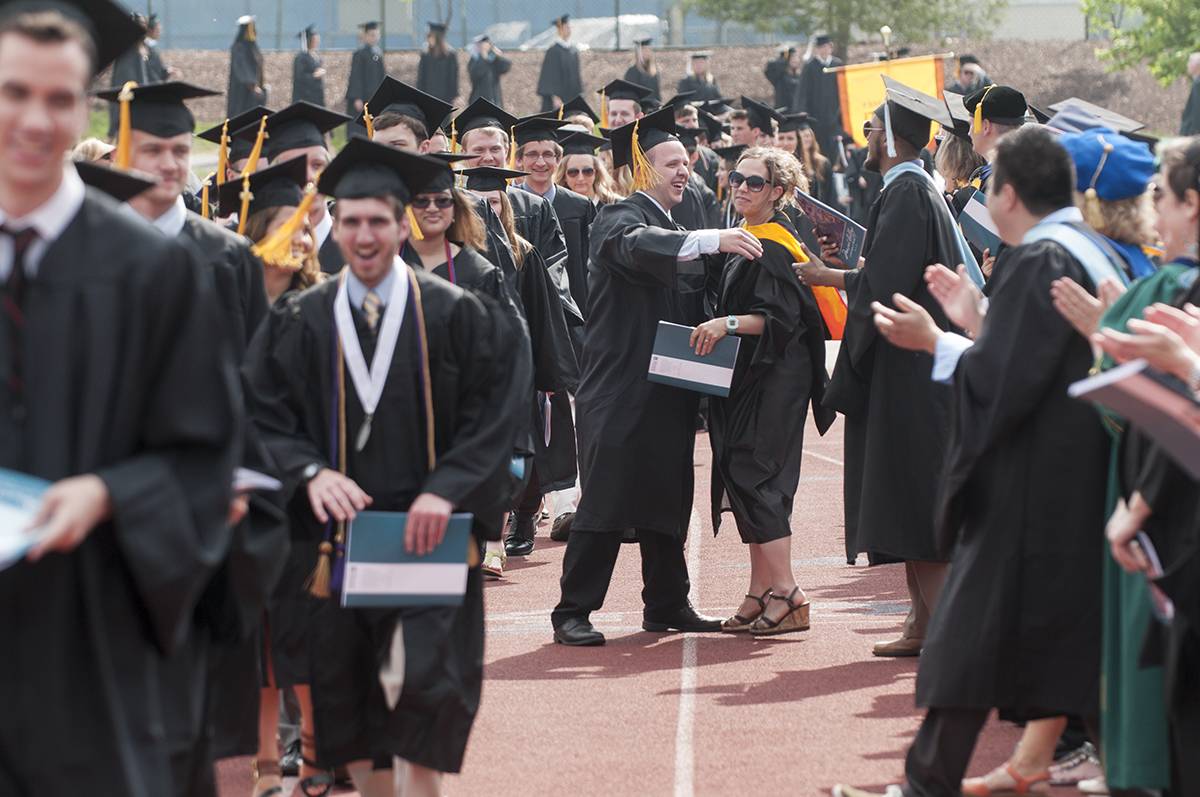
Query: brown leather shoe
x=899, y=648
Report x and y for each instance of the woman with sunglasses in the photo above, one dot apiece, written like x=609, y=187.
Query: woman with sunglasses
x=757, y=432
x=586, y=174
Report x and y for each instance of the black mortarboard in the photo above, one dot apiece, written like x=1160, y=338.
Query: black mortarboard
x=120, y=185
x=760, y=114
x=643, y=42
x=278, y=186
x=441, y=181
x=711, y=124
x=297, y=126
x=680, y=99
x=483, y=113
x=649, y=103
x=652, y=130
x=158, y=108
x=730, y=154
x=959, y=113
x=700, y=54
x=716, y=107
x=793, y=122
x=309, y=31
x=577, y=143
x=112, y=30
x=450, y=158
x=963, y=60
x=821, y=40
x=536, y=128
x=372, y=25
x=365, y=169
x=1040, y=116
x=436, y=27
x=1110, y=119
x=393, y=96
x=578, y=104
x=564, y=19
x=1003, y=105
x=907, y=113
x=624, y=90
x=490, y=178
x=689, y=136
x=239, y=148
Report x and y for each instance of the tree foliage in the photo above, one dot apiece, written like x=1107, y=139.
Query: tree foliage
x=1158, y=33
x=910, y=20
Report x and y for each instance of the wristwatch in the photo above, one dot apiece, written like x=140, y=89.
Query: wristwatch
x=731, y=324
x=310, y=472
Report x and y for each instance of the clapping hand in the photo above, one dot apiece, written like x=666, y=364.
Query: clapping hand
x=909, y=326
x=958, y=296
x=1158, y=344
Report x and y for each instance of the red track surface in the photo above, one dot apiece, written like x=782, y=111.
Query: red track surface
x=790, y=716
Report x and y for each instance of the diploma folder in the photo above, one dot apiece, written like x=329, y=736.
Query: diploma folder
x=20, y=499
x=674, y=362
x=977, y=225
x=1158, y=404
x=379, y=573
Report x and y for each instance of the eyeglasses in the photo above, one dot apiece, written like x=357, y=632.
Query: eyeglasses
x=439, y=202
x=586, y=171
x=868, y=130
x=753, y=182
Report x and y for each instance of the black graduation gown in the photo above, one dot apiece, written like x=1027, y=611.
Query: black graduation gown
x=705, y=89
x=818, y=96
x=757, y=433
x=1190, y=122
x=130, y=65
x=896, y=417
x=560, y=76
x=438, y=75
x=821, y=186
x=126, y=378
x=366, y=73
x=1018, y=624
x=290, y=382
x=861, y=198
x=156, y=70
x=330, y=256
x=640, y=77
x=485, y=78
x=245, y=78
x=535, y=221
x=306, y=86
x=636, y=437
x=575, y=215
x=699, y=209
x=785, y=82
x=706, y=167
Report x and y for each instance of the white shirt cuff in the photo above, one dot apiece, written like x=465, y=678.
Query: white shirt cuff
x=950, y=346
x=699, y=242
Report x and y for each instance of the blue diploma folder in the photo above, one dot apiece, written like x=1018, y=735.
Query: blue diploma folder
x=674, y=362
x=977, y=225
x=380, y=574
x=20, y=499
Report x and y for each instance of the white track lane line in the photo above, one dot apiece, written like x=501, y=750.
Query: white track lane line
x=823, y=458
x=685, y=757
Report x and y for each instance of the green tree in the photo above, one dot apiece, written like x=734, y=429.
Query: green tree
x=910, y=20
x=1158, y=33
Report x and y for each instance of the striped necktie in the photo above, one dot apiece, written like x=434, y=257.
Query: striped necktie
x=372, y=308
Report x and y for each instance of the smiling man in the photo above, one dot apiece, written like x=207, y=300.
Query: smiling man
x=111, y=389
x=636, y=437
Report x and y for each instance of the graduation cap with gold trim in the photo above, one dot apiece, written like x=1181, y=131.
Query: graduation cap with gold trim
x=631, y=142
x=394, y=96
x=232, y=148
x=490, y=178
x=155, y=108
x=1003, y=105
x=111, y=27
x=299, y=125
x=620, y=89
x=575, y=105
x=120, y=185
x=364, y=169
x=483, y=113
x=279, y=185
x=536, y=128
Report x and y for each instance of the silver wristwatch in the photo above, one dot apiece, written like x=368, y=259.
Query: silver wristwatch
x=310, y=472
x=731, y=324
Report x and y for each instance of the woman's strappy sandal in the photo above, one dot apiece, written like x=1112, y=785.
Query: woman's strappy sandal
x=740, y=623
x=266, y=769
x=314, y=785
x=796, y=618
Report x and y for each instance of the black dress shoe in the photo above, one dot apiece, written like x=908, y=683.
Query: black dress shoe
x=578, y=632
x=683, y=619
x=561, y=529
x=519, y=541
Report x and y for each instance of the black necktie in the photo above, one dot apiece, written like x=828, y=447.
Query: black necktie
x=14, y=302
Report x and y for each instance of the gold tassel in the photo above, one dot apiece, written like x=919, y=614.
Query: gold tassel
x=512, y=147
x=276, y=249
x=978, y=123
x=453, y=137
x=244, y=212
x=603, y=110
x=368, y=121
x=560, y=111
x=125, y=127
x=416, y=233
x=223, y=155
x=318, y=580
x=205, y=210
x=644, y=175
x=256, y=153
x=251, y=33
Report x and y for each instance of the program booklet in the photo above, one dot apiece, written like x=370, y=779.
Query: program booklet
x=829, y=222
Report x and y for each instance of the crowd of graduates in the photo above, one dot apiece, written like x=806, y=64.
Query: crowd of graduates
x=454, y=314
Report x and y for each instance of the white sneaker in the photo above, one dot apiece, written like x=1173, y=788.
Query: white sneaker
x=1096, y=785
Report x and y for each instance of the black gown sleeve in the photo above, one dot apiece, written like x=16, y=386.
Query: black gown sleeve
x=639, y=252
x=555, y=368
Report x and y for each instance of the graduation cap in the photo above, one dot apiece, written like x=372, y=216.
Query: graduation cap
x=560, y=21
x=700, y=54
x=1003, y=105
x=1039, y=115
x=482, y=113
x=631, y=142
x=365, y=169
x=299, y=125
x=716, y=107
x=643, y=42
x=794, y=122
x=577, y=104
x=760, y=114
x=536, y=128
x=1108, y=165
x=689, y=136
x=158, y=108
x=436, y=27
x=372, y=25
x=578, y=143
x=450, y=158
x=679, y=100
x=1110, y=119
x=490, y=178
x=223, y=134
x=711, y=124
x=822, y=39
x=620, y=89
x=277, y=186
x=965, y=59
x=393, y=96
x=112, y=29
x=959, y=114
x=907, y=113
x=120, y=185
x=730, y=154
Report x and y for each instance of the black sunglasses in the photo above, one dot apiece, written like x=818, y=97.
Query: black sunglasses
x=753, y=182
x=586, y=171
x=440, y=202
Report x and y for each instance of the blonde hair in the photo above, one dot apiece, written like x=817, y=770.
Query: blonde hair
x=783, y=170
x=257, y=226
x=602, y=187
x=467, y=228
x=91, y=150
x=1129, y=221
x=956, y=160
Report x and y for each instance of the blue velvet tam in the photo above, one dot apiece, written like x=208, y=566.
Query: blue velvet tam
x=1108, y=163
